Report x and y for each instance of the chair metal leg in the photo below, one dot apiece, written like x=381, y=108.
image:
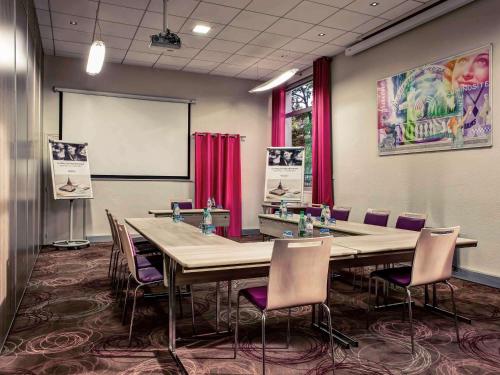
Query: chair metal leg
x=217, y=306
x=133, y=314
x=288, y=328
x=192, y=310
x=330, y=331
x=236, y=325
x=126, y=298
x=111, y=256
x=229, y=292
x=410, y=315
x=454, y=308
x=369, y=302
x=263, y=319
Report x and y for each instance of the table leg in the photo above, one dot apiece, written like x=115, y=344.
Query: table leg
x=436, y=309
x=172, y=317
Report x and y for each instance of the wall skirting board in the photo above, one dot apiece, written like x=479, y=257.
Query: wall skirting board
x=476, y=277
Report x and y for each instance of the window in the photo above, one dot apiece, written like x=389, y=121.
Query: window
x=299, y=124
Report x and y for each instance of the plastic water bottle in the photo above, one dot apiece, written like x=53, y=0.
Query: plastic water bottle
x=323, y=215
x=327, y=214
x=287, y=234
x=213, y=203
x=177, y=213
x=283, y=209
x=302, y=225
x=209, y=204
x=309, y=226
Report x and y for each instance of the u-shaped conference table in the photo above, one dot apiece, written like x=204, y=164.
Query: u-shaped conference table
x=191, y=257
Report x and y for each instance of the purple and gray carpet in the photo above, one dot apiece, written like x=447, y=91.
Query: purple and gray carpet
x=70, y=323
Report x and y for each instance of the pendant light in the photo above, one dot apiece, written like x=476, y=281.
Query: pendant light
x=276, y=81
x=97, y=50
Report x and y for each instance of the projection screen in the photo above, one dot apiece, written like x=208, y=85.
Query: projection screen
x=128, y=137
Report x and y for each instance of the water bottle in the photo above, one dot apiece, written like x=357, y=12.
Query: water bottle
x=209, y=204
x=283, y=209
x=323, y=215
x=302, y=225
x=207, y=221
x=327, y=214
x=309, y=226
x=213, y=203
x=177, y=213
x=287, y=234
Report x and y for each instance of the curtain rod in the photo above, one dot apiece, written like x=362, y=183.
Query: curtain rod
x=242, y=137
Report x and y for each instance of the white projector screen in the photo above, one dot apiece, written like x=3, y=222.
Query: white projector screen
x=128, y=137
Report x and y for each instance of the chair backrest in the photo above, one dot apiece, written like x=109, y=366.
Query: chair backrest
x=341, y=213
x=411, y=221
x=299, y=272
x=127, y=248
x=432, y=261
x=184, y=203
x=377, y=217
x=114, y=234
x=314, y=211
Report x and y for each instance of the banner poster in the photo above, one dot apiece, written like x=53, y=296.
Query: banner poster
x=445, y=105
x=284, y=174
x=70, y=170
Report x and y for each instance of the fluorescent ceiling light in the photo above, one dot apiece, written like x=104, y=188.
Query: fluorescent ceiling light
x=283, y=77
x=201, y=29
x=96, y=58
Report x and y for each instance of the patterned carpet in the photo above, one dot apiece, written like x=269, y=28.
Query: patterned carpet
x=69, y=323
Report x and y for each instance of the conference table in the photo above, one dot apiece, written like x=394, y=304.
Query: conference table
x=194, y=216
x=191, y=257
x=269, y=207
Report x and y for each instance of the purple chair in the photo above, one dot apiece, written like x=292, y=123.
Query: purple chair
x=184, y=204
x=432, y=263
x=314, y=211
x=341, y=213
x=411, y=221
x=292, y=284
x=377, y=217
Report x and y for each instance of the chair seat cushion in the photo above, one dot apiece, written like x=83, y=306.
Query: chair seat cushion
x=400, y=275
x=257, y=296
x=149, y=275
x=148, y=261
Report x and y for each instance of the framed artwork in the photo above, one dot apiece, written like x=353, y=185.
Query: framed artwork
x=445, y=105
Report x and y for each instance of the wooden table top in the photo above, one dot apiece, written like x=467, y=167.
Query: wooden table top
x=349, y=227
x=189, y=211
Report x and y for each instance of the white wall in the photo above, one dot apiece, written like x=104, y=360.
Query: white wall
x=454, y=187
x=223, y=105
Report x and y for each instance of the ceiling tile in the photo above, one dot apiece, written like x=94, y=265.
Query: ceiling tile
x=196, y=70
x=301, y=45
x=269, y=64
x=167, y=67
x=74, y=55
x=137, y=4
x=43, y=17
x=232, y=3
x=313, y=34
x=144, y=33
x=193, y=41
x=78, y=48
x=223, y=46
x=255, y=72
x=45, y=31
x=227, y=69
x=398, y=11
x=271, y=40
x=48, y=44
x=201, y=64
x=147, y=58
x=115, y=13
x=273, y=7
x=143, y=46
x=182, y=8
x=155, y=21
x=244, y=61
x=295, y=65
x=117, y=29
x=370, y=25
x=236, y=34
x=346, y=20
x=131, y=61
x=255, y=51
x=189, y=25
x=253, y=21
x=82, y=8
x=289, y=27
x=214, y=13
x=42, y=4
x=283, y=55
x=363, y=6
x=212, y=56
x=328, y=50
x=310, y=12
x=346, y=39
x=185, y=52
x=334, y=3
x=62, y=21
x=172, y=61
x=307, y=59
x=115, y=54
x=72, y=36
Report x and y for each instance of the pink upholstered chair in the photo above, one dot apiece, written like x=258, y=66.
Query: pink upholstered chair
x=341, y=213
x=377, y=217
x=291, y=283
x=432, y=263
x=411, y=221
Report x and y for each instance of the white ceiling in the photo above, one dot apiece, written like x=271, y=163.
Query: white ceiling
x=253, y=39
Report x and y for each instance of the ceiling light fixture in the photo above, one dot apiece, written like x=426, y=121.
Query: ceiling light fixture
x=201, y=29
x=273, y=82
x=321, y=34
x=96, y=58
x=374, y=4
x=71, y=22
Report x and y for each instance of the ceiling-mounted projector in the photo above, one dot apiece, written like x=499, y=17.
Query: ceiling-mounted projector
x=165, y=39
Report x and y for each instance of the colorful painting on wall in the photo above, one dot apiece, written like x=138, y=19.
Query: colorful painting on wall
x=445, y=105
